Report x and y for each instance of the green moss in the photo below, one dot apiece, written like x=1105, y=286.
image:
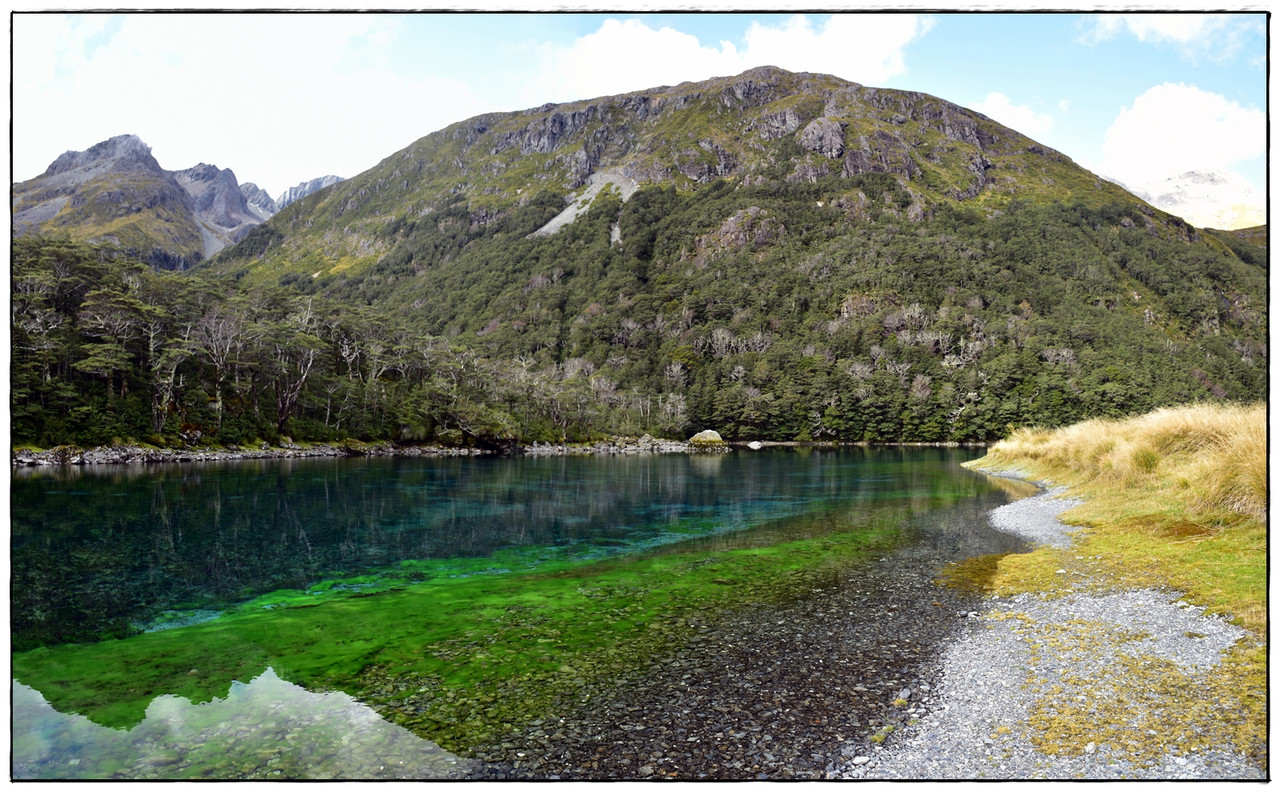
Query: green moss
x=1138, y=705
x=460, y=657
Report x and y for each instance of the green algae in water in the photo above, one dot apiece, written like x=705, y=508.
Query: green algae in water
x=471, y=656
x=143, y=543
x=461, y=651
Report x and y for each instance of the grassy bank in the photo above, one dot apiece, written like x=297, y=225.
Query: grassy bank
x=1172, y=500
x=1175, y=498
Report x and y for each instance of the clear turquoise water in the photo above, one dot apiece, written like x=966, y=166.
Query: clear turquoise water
x=102, y=551
x=97, y=552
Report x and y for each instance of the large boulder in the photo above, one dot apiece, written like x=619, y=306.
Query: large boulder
x=707, y=439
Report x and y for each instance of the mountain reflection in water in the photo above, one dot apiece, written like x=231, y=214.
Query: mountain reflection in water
x=161, y=545
x=265, y=729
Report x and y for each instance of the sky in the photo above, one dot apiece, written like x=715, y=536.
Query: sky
x=281, y=98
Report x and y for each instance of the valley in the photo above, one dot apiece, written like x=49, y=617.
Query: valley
x=791, y=257
x=417, y=449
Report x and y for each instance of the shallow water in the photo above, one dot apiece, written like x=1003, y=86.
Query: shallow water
x=187, y=548
x=263, y=729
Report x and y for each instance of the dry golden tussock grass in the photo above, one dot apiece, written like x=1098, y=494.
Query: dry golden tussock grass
x=1175, y=500
x=1212, y=458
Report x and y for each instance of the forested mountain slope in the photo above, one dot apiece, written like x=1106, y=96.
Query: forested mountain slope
x=796, y=257
x=764, y=126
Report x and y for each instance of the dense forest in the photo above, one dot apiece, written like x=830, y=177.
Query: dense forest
x=777, y=311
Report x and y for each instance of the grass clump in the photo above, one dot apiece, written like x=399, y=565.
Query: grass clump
x=1172, y=500
x=882, y=734
x=1176, y=498
x=1210, y=458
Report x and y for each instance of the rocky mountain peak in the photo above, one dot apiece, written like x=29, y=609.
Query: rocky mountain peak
x=122, y=150
x=205, y=172
x=259, y=201
x=300, y=191
x=218, y=201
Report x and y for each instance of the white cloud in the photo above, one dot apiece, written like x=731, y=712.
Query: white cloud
x=1176, y=28
x=1020, y=117
x=1174, y=128
x=628, y=55
x=865, y=48
x=271, y=113
x=1216, y=36
x=624, y=55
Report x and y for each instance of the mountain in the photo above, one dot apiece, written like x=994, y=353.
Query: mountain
x=764, y=126
x=263, y=205
x=116, y=192
x=1248, y=244
x=304, y=189
x=258, y=200
x=785, y=255
x=219, y=203
x=775, y=256
x=1207, y=199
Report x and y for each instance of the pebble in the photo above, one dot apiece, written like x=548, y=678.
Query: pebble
x=782, y=690
x=985, y=672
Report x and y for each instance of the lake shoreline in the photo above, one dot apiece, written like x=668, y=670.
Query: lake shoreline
x=790, y=690
x=129, y=454
x=999, y=693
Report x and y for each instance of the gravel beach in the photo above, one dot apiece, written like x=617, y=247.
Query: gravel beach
x=1017, y=655
x=929, y=684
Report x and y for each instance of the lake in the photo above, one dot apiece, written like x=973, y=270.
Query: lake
x=440, y=618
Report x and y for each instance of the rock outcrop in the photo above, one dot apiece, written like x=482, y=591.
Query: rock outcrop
x=749, y=229
x=824, y=136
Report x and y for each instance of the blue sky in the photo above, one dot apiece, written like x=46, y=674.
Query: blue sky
x=281, y=98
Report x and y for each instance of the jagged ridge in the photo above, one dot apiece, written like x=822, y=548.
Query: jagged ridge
x=116, y=192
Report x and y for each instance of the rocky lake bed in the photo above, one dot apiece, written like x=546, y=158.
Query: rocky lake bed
x=878, y=671
x=789, y=692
